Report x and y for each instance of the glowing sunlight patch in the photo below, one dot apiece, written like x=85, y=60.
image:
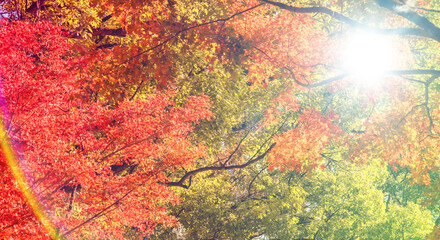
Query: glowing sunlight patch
x=368, y=56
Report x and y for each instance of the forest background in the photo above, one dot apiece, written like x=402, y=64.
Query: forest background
x=219, y=119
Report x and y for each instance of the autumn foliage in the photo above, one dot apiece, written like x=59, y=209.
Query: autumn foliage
x=81, y=156
x=132, y=119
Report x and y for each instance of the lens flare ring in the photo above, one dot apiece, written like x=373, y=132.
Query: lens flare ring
x=25, y=187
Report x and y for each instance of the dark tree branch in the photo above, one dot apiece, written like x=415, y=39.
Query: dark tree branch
x=413, y=80
x=335, y=162
x=106, y=46
x=253, y=179
x=353, y=23
x=99, y=213
x=56, y=189
x=36, y=6
x=71, y=198
x=324, y=10
x=118, y=32
x=435, y=73
x=429, y=10
x=428, y=112
x=431, y=30
x=410, y=112
x=23, y=219
x=180, y=183
x=122, y=148
x=316, y=234
x=333, y=214
x=324, y=82
x=265, y=54
x=99, y=32
x=415, y=72
x=426, y=98
x=254, y=159
x=137, y=90
x=238, y=147
x=105, y=19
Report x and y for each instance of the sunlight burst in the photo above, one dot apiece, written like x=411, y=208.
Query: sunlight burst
x=368, y=56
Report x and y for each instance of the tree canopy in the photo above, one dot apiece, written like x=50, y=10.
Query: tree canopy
x=219, y=119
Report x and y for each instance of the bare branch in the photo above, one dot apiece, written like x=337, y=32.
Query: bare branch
x=56, y=189
x=253, y=179
x=429, y=10
x=100, y=213
x=117, y=32
x=402, y=73
x=431, y=30
x=324, y=82
x=180, y=183
x=236, y=149
x=413, y=80
x=428, y=112
x=105, y=19
x=254, y=159
x=415, y=72
x=137, y=90
x=424, y=104
x=122, y=148
x=408, y=113
x=396, y=31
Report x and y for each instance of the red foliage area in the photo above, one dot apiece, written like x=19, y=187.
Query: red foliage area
x=86, y=160
x=277, y=40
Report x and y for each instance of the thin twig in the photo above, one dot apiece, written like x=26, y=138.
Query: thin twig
x=100, y=213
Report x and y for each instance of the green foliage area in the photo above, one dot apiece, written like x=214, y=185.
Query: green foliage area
x=341, y=202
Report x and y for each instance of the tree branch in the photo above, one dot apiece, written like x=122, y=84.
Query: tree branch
x=180, y=183
x=118, y=32
x=428, y=112
x=324, y=10
x=425, y=103
x=429, y=10
x=99, y=213
x=56, y=189
x=415, y=72
x=137, y=90
x=122, y=148
x=431, y=30
x=254, y=159
x=324, y=82
x=253, y=179
x=236, y=149
x=105, y=19
x=408, y=113
x=435, y=73
x=395, y=31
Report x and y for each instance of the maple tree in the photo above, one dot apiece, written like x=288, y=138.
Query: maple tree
x=241, y=111
x=84, y=158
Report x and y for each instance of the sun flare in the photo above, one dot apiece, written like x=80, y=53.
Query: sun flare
x=368, y=56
